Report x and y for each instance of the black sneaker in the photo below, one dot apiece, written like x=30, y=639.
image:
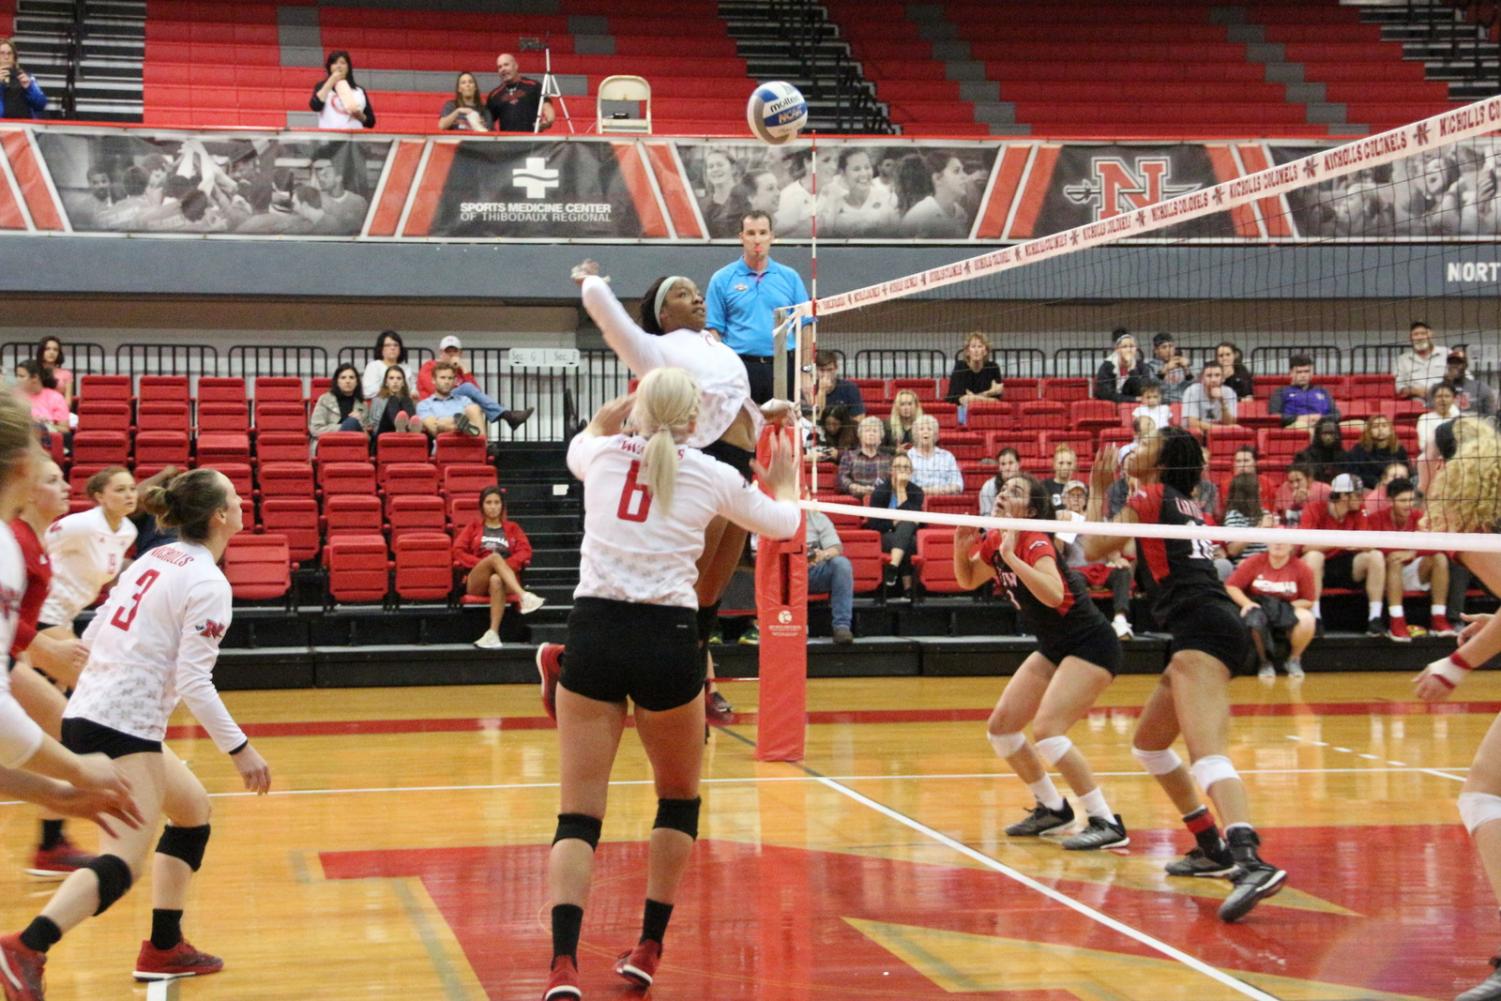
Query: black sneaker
x=1257, y=879
x=1042, y=820
x=1488, y=989
x=1196, y=863
x=1373, y=627
x=515, y=418
x=1100, y=833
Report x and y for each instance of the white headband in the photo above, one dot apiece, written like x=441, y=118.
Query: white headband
x=662, y=290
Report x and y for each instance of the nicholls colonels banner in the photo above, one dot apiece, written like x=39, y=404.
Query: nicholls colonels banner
x=97, y=180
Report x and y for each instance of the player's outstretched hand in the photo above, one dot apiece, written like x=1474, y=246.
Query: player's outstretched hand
x=1102, y=473
x=610, y=418
x=780, y=477
x=1473, y=625
x=253, y=770
x=779, y=413
x=1430, y=685
x=585, y=269
x=965, y=537
x=112, y=809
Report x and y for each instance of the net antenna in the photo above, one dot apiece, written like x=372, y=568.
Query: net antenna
x=550, y=88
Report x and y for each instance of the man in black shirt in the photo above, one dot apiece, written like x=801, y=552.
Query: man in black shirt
x=514, y=103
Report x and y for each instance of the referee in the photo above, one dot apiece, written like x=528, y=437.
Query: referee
x=742, y=300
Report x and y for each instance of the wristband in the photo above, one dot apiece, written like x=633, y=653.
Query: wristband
x=242, y=747
x=1451, y=670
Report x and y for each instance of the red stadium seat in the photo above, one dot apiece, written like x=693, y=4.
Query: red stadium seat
x=281, y=446
x=1225, y=439
x=101, y=448
x=401, y=447
x=352, y=514
x=415, y=513
x=163, y=389
x=280, y=416
x=101, y=388
x=1373, y=386
x=287, y=479
x=297, y=519
x=1022, y=390
x=108, y=415
x=409, y=479
x=258, y=567
x=336, y=478
x=238, y=473
x=424, y=567
x=467, y=480
x=218, y=447
x=926, y=389
x=219, y=389
x=225, y=416
x=1066, y=390
x=278, y=389
x=162, y=448
x=965, y=503
x=935, y=561
x=341, y=446
x=982, y=416
x=452, y=448
x=863, y=549
x=78, y=478
x=1277, y=446
x=158, y=415
x=358, y=571
x=1091, y=415
x=462, y=509
x=1041, y=415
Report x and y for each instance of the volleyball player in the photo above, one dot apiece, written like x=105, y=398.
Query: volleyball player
x=1077, y=656
x=87, y=551
x=632, y=636
x=1465, y=496
x=672, y=333
x=1208, y=645
x=153, y=643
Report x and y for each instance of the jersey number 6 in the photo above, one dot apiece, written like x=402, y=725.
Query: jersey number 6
x=635, y=499
x=123, y=619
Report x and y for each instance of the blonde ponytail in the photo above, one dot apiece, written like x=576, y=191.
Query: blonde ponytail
x=665, y=411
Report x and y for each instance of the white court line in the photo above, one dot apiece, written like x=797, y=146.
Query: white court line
x=161, y=990
x=1119, y=927
x=1397, y=766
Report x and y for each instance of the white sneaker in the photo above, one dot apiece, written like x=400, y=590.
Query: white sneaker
x=1268, y=673
x=531, y=601
x=1295, y=669
x=1122, y=628
x=489, y=641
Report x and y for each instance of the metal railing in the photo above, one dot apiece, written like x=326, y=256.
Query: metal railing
x=803, y=23
x=75, y=59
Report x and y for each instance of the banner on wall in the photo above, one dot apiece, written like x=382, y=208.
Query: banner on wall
x=135, y=182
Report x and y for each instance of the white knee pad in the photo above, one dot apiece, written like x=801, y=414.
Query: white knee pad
x=1478, y=808
x=1211, y=769
x=1007, y=744
x=1053, y=749
x=1157, y=762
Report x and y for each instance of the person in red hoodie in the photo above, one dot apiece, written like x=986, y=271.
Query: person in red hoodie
x=1411, y=569
x=494, y=551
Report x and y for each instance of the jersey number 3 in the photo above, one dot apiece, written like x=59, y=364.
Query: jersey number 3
x=123, y=618
x=635, y=499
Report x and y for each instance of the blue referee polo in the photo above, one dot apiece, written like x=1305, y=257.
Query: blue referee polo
x=741, y=304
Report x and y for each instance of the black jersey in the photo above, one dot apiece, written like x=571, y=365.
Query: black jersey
x=1181, y=571
x=1073, y=617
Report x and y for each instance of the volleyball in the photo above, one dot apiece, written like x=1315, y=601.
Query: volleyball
x=776, y=112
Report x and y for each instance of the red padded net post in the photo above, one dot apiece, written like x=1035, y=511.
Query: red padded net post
x=782, y=615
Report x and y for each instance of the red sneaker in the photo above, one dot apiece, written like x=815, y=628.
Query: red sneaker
x=21, y=971
x=640, y=964
x=1441, y=626
x=550, y=669
x=564, y=982
x=58, y=861
x=182, y=960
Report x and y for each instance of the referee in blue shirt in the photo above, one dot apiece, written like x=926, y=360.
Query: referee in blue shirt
x=742, y=299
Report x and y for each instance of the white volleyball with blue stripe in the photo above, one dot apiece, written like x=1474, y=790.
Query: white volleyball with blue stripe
x=776, y=112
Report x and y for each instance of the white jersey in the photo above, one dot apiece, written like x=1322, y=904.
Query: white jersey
x=86, y=554
x=154, y=642
x=19, y=736
x=633, y=550
x=719, y=372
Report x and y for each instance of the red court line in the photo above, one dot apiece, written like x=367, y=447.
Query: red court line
x=460, y=724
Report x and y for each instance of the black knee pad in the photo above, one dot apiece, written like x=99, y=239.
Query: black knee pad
x=580, y=827
x=185, y=843
x=679, y=815
x=114, y=880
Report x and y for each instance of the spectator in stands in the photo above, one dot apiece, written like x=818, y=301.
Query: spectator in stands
x=1209, y=403
x=863, y=208
x=1300, y=404
x=722, y=201
x=1419, y=370
x=932, y=188
x=1275, y=594
x=1169, y=366
x=1325, y=455
x=1377, y=449
x=22, y=95
x=1065, y=463
x=1237, y=376
x=1151, y=405
x=1121, y=376
x=493, y=551
x=445, y=410
x=389, y=350
x=49, y=411
x=1008, y=464
x=1113, y=573
x=49, y=352
x=1443, y=401
x=861, y=468
x=1243, y=509
x=466, y=387
x=1473, y=397
x=1244, y=461
x=149, y=532
x=829, y=571
x=341, y=408
x=898, y=492
x=934, y=469
x=837, y=433
x=1410, y=570
x=345, y=208
x=392, y=408
x=906, y=410
x=517, y=105
x=976, y=377
x=1207, y=493
x=1298, y=491
x=1377, y=500
x=465, y=112
x=742, y=301
x=831, y=390
x=1334, y=566
x=340, y=102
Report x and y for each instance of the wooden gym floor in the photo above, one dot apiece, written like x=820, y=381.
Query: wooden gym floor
x=401, y=856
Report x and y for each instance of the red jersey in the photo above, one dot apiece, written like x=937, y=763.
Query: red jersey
x=1181, y=571
x=38, y=580
x=1316, y=515
x=1385, y=521
x=1074, y=614
x=1259, y=579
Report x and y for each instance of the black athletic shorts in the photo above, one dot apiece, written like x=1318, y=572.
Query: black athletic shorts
x=620, y=650
x=1098, y=645
x=733, y=456
x=83, y=736
x=1215, y=628
x=1339, y=571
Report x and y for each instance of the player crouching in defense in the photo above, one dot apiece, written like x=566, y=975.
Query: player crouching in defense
x=152, y=643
